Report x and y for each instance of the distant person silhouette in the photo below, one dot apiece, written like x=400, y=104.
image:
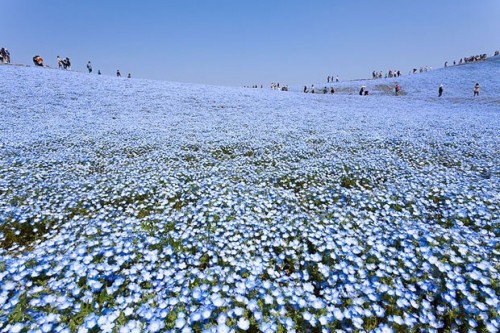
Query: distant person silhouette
x=397, y=89
x=476, y=89
x=118, y=74
x=89, y=67
x=440, y=91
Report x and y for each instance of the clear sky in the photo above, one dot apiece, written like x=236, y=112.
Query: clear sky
x=245, y=42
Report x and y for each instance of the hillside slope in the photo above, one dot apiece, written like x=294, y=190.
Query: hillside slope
x=137, y=205
x=458, y=82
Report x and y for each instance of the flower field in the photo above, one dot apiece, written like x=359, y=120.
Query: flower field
x=143, y=206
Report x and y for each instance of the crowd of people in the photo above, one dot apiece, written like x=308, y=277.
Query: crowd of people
x=397, y=73
x=4, y=56
x=325, y=90
x=390, y=73
x=329, y=79
x=475, y=58
x=62, y=63
x=66, y=64
x=276, y=86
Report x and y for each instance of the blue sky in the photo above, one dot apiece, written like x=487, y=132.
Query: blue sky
x=245, y=42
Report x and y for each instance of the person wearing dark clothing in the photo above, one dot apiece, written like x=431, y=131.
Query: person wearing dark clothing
x=89, y=67
x=440, y=91
x=99, y=72
x=476, y=89
x=325, y=90
x=129, y=76
x=305, y=89
x=312, y=89
x=118, y=74
x=66, y=63
x=332, y=91
x=4, y=56
x=38, y=61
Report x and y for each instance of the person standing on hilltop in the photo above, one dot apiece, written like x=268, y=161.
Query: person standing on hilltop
x=118, y=74
x=59, y=62
x=476, y=89
x=440, y=90
x=89, y=67
x=337, y=79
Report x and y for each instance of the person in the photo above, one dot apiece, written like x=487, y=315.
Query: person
x=312, y=89
x=337, y=79
x=99, y=72
x=328, y=79
x=440, y=90
x=446, y=64
x=332, y=91
x=476, y=89
x=7, y=56
x=361, y=91
x=118, y=74
x=89, y=67
x=129, y=76
x=66, y=63
x=38, y=61
x=305, y=89
x=397, y=89
x=59, y=62
x=3, y=56
x=325, y=90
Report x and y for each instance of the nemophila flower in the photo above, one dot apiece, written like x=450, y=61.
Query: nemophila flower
x=243, y=324
x=180, y=322
x=16, y=328
x=156, y=326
